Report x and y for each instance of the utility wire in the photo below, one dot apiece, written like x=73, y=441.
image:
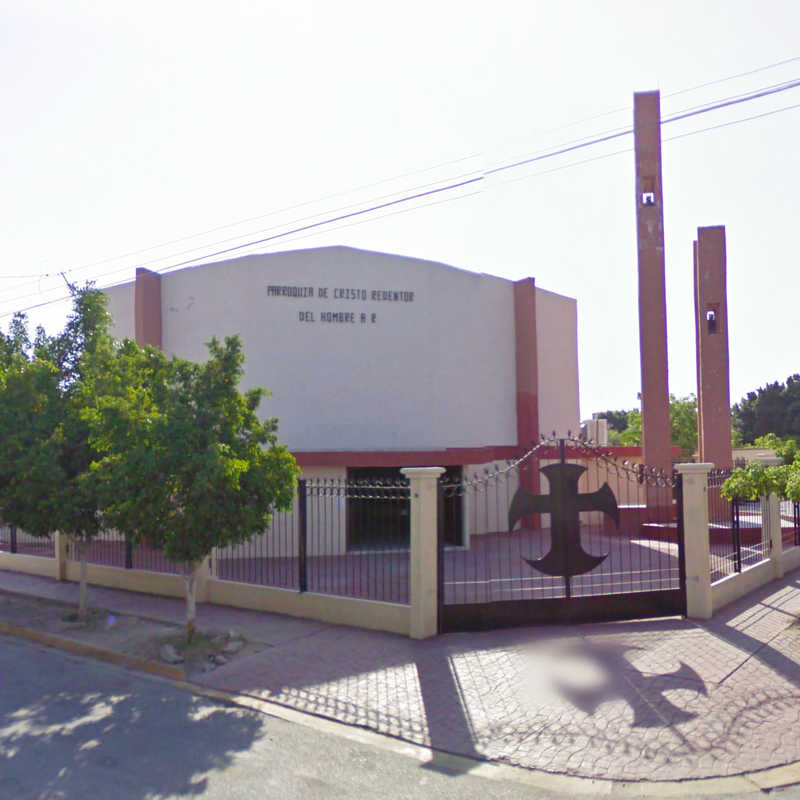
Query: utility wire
x=274, y=212
x=379, y=182
x=735, y=100
x=734, y=77
x=235, y=238
x=666, y=139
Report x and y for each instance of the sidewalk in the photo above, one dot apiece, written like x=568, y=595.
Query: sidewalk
x=664, y=699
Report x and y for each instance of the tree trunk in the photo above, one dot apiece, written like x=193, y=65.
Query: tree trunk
x=190, y=580
x=82, y=603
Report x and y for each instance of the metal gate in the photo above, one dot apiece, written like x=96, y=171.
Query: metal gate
x=566, y=533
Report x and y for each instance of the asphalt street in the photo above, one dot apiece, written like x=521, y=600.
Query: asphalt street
x=75, y=728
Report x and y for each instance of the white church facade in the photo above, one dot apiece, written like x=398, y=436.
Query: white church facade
x=375, y=361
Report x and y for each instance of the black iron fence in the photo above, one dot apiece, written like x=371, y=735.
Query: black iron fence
x=342, y=537
x=790, y=524
x=497, y=530
x=13, y=540
x=737, y=537
x=112, y=549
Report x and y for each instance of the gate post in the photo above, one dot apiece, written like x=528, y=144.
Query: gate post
x=60, y=553
x=694, y=478
x=423, y=555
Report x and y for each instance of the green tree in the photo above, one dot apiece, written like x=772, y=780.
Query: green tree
x=756, y=480
x=184, y=461
x=632, y=435
x=683, y=425
x=617, y=420
x=45, y=479
x=774, y=408
x=786, y=448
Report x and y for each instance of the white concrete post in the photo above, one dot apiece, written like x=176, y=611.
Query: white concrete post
x=423, y=570
x=203, y=574
x=771, y=531
x=60, y=550
x=696, y=539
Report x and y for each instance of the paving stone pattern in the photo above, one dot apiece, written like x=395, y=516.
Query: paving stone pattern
x=658, y=699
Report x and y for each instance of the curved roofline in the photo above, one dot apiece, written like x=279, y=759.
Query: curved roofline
x=340, y=247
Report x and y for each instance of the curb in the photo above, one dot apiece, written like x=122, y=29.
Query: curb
x=93, y=651
x=745, y=783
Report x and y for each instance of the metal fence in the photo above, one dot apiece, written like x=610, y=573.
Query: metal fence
x=13, y=540
x=112, y=549
x=486, y=562
x=737, y=538
x=790, y=524
x=342, y=537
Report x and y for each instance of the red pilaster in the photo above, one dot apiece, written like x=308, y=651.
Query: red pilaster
x=656, y=437
x=527, y=374
x=697, y=340
x=147, y=307
x=713, y=369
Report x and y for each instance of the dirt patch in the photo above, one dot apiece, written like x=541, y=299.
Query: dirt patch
x=124, y=634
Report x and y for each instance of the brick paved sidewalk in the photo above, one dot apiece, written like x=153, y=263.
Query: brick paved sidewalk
x=658, y=699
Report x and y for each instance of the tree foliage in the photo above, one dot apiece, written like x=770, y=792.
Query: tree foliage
x=756, y=480
x=45, y=456
x=617, y=420
x=774, y=408
x=683, y=425
x=183, y=460
x=786, y=448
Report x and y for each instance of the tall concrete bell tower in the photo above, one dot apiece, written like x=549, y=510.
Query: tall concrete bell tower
x=656, y=439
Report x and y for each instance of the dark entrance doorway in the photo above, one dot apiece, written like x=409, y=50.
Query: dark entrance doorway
x=379, y=511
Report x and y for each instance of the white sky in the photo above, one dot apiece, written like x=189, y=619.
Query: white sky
x=126, y=125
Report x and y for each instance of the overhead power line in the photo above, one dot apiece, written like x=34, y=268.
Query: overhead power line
x=734, y=77
x=361, y=187
x=478, y=178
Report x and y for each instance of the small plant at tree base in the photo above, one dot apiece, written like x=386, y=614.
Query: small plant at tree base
x=46, y=483
x=184, y=461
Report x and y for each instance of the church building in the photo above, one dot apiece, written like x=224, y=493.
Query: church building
x=375, y=361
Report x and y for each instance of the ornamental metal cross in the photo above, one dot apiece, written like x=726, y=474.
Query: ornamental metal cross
x=564, y=504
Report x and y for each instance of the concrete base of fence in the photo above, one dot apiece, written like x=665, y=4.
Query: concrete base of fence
x=31, y=565
x=132, y=580
x=371, y=614
x=791, y=559
x=733, y=587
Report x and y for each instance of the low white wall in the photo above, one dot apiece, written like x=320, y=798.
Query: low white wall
x=371, y=614
x=30, y=565
x=732, y=587
x=132, y=580
x=791, y=559
x=390, y=617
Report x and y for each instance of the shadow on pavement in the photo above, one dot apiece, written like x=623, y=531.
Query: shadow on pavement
x=71, y=728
